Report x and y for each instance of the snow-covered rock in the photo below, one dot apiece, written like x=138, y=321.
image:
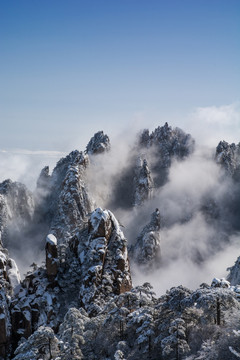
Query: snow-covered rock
x=107, y=271
x=228, y=156
x=98, y=144
x=223, y=283
x=51, y=256
x=67, y=200
x=165, y=144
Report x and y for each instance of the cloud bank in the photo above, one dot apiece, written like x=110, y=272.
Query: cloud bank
x=211, y=124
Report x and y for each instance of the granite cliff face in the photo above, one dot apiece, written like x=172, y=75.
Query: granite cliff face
x=81, y=304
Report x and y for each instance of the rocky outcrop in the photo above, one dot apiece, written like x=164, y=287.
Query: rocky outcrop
x=64, y=199
x=72, y=203
x=234, y=273
x=9, y=273
x=146, y=251
x=165, y=144
x=98, y=144
x=51, y=257
x=134, y=184
x=43, y=180
x=34, y=304
x=107, y=273
x=143, y=183
x=9, y=281
x=228, y=156
x=170, y=141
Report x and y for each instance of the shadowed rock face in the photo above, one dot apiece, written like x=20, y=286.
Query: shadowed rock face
x=16, y=209
x=234, y=273
x=146, y=251
x=143, y=183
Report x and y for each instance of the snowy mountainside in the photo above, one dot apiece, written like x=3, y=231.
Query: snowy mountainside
x=93, y=298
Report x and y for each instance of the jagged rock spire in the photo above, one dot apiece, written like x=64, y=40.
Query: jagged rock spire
x=107, y=273
x=143, y=183
x=98, y=144
x=146, y=252
x=234, y=273
x=228, y=156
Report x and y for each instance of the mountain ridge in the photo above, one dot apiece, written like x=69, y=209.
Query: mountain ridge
x=59, y=310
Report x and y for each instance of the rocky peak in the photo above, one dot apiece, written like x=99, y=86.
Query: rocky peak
x=164, y=144
x=63, y=199
x=173, y=141
x=228, y=156
x=98, y=144
x=72, y=202
x=44, y=177
x=107, y=273
x=146, y=251
x=142, y=182
x=19, y=200
x=234, y=273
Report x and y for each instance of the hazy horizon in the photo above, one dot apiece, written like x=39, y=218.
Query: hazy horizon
x=69, y=69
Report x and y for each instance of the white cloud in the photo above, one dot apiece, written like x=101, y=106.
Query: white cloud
x=25, y=165
x=211, y=124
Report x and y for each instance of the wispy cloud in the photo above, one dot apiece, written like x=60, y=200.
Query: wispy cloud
x=211, y=124
x=34, y=152
x=25, y=165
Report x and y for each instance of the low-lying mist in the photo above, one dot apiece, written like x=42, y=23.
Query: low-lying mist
x=198, y=241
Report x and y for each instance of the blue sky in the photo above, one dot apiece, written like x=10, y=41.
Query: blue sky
x=70, y=68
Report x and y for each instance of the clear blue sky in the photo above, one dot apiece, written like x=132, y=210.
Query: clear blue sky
x=70, y=68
